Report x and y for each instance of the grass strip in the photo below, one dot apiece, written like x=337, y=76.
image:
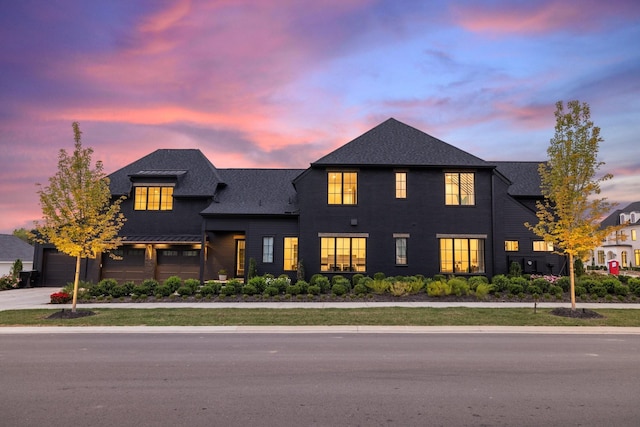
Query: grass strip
x=382, y=316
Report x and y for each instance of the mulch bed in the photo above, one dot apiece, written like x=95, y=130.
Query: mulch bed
x=68, y=314
x=579, y=313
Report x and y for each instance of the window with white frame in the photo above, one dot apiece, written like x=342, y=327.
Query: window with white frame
x=267, y=249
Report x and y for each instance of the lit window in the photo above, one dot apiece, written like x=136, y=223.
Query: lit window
x=153, y=199
x=459, y=189
x=511, y=246
x=267, y=249
x=342, y=188
x=636, y=254
x=542, y=246
x=633, y=235
x=601, y=257
x=343, y=254
x=290, y=253
x=401, y=185
x=401, y=251
x=623, y=259
x=462, y=255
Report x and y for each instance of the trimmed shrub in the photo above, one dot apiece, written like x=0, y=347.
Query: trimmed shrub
x=164, y=290
x=185, y=290
x=236, y=284
x=377, y=286
x=622, y=290
x=578, y=267
x=336, y=279
x=314, y=279
x=151, y=285
x=610, y=283
x=542, y=284
x=599, y=290
x=272, y=291
x=249, y=289
x=342, y=281
x=142, y=288
x=119, y=291
x=379, y=276
x=194, y=284
x=555, y=290
x=534, y=290
x=398, y=287
x=313, y=289
x=580, y=291
x=440, y=277
x=280, y=283
x=207, y=290
x=360, y=289
x=293, y=290
x=515, y=288
x=588, y=283
x=174, y=282
x=228, y=290
x=323, y=283
x=515, y=269
x=258, y=282
x=356, y=279
x=500, y=282
x=564, y=282
x=304, y=286
x=338, y=289
x=474, y=281
x=634, y=286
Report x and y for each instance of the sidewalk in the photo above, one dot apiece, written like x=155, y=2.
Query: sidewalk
x=33, y=298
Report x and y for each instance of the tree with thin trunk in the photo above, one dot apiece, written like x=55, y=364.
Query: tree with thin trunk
x=79, y=216
x=570, y=214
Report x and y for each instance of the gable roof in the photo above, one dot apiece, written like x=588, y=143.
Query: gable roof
x=397, y=144
x=524, y=177
x=614, y=217
x=13, y=248
x=195, y=174
x=256, y=191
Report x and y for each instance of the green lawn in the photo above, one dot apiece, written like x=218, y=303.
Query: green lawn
x=384, y=316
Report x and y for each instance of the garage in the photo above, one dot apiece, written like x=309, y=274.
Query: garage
x=184, y=263
x=59, y=268
x=130, y=266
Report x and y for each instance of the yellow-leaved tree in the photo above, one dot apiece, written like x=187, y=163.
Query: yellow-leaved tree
x=79, y=216
x=570, y=214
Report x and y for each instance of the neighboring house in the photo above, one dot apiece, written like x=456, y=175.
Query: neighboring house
x=623, y=245
x=394, y=200
x=11, y=249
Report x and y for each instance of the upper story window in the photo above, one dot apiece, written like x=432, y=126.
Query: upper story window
x=149, y=198
x=633, y=235
x=459, y=189
x=401, y=185
x=542, y=246
x=342, y=188
x=511, y=245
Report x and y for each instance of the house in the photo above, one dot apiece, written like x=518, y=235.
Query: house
x=394, y=200
x=623, y=245
x=11, y=249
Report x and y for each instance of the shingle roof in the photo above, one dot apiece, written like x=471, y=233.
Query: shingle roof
x=397, y=144
x=195, y=174
x=256, y=191
x=614, y=217
x=524, y=177
x=12, y=248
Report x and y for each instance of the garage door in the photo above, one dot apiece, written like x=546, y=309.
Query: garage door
x=184, y=263
x=129, y=268
x=58, y=268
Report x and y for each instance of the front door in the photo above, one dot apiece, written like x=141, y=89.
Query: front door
x=240, y=258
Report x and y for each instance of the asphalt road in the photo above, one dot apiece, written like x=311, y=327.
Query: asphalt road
x=328, y=379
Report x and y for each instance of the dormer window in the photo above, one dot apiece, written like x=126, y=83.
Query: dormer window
x=623, y=218
x=153, y=198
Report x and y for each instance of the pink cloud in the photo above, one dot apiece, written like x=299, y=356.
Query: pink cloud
x=541, y=17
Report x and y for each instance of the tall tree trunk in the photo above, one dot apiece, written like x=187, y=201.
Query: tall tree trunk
x=75, y=285
x=572, y=280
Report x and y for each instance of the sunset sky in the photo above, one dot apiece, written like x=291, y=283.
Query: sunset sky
x=280, y=83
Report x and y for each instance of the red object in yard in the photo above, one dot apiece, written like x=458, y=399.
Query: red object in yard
x=614, y=267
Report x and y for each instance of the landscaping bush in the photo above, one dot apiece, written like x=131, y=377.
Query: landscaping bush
x=542, y=284
x=107, y=285
x=500, y=282
x=474, y=281
x=555, y=290
x=588, y=283
x=438, y=288
x=119, y=291
x=515, y=269
x=377, y=286
x=580, y=291
x=398, y=286
x=273, y=291
x=174, y=282
x=60, y=298
x=534, y=290
x=620, y=289
x=379, y=276
x=185, y=290
x=440, y=277
x=304, y=286
x=356, y=278
x=360, y=289
x=610, y=283
x=228, y=290
x=194, y=284
x=237, y=286
x=258, y=282
x=164, y=290
x=482, y=290
x=342, y=281
x=565, y=283
x=600, y=290
x=207, y=290
x=634, y=286
x=515, y=288
x=280, y=283
x=338, y=289
x=459, y=286
x=293, y=290
x=314, y=290
x=323, y=283
x=142, y=288
x=249, y=289
x=315, y=278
